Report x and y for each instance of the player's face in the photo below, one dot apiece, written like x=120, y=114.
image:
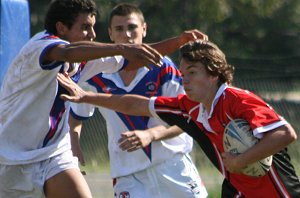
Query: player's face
x=82, y=29
x=198, y=84
x=127, y=29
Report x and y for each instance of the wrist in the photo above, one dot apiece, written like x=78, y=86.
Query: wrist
x=181, y=40
x=239, y=161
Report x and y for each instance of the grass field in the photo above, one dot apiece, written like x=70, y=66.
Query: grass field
x=101, y=184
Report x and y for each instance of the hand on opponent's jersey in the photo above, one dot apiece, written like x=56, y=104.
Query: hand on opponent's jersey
x=134, y=140
x=76, y=93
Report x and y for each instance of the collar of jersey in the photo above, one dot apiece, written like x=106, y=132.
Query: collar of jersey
x=115, y=77
x=203, y=115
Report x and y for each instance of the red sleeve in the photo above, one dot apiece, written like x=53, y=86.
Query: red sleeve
x=252, y=108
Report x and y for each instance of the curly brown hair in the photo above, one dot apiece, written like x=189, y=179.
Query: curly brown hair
x=211, y=57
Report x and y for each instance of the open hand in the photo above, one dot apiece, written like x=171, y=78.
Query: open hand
x=231, y=162
x=140, y=55
x=192, y=35
x=76, y=94
x=134, y=140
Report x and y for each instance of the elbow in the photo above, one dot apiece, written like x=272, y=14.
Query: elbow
x=294, y=137
x=68, y=56
x=291, y=135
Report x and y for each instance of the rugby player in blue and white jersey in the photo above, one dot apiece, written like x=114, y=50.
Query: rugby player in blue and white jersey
x=155, y=168
x=35, y=151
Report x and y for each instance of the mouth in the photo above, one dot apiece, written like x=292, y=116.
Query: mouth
x=187, y=89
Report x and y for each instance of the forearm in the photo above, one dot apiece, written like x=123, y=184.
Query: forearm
x=90, y=50
x=129, y=104
x=271, y=143
x=161, y=132
x=75, y=128
x=167, y=46
x=75, y=125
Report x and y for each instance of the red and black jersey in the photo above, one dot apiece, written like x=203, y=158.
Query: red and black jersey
x=207, y=128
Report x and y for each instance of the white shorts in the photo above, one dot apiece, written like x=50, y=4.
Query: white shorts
x=175, y=178
x=20, y=181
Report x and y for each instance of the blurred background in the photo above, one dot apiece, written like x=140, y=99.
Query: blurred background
x=260, y=37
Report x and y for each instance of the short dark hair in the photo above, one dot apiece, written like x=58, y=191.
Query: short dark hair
x=125, y=9
x=211, y=57
x=66, y=11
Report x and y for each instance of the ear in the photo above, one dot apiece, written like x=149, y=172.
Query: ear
x=110, y=34
x=61, y=28
x=145, y=29
x=215, y=79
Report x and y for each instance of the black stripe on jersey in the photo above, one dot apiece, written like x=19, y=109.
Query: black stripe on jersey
x=192, y=129
x=286, y=172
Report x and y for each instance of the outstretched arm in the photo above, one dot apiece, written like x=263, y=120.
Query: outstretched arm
x=140, y=54
x=170, y=45
x=133, y=140
x=129, y=104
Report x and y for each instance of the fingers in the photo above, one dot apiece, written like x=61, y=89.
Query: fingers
x=199, y=35
x=63, y=80
x=192, y=35
x=81, y=159
x=75, y=92
x=140, y=55
x=154, y=56
x=129, y=142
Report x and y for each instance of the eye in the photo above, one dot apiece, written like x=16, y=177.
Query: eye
x=132, y=27
x=192, y=72
x=119, y=28
x=84, y=27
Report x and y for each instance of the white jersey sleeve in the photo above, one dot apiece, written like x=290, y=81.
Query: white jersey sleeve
x=33, y=119
x=83, y=111
x=102, y=65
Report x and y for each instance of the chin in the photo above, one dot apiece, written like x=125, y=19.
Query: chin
x=193, y=98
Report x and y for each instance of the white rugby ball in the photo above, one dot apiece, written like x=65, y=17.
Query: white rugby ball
x=238, y=137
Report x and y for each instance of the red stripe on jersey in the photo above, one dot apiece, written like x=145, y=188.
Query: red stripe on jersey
x=100, y=83
x=278, y=182
x=170, y=70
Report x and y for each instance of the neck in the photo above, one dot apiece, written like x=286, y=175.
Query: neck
x=127, y=76
x=207, y=102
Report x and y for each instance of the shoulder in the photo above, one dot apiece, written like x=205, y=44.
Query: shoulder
x=169, y=66
x=168, y=62
x=240, y=93
x=43, y=41
x=235, y=92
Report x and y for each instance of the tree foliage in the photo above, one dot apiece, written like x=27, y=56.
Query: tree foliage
x=243, y=28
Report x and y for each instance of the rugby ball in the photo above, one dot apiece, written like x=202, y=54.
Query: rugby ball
x=238, y=137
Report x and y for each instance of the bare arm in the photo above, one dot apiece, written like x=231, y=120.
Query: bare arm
x=133, y=140
x=75, y=131
x=83, y=51
x=271, y=143
x=129, y=104
x=170, y=45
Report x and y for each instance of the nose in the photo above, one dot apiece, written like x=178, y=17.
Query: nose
x=128, y=33
x=92, y=34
